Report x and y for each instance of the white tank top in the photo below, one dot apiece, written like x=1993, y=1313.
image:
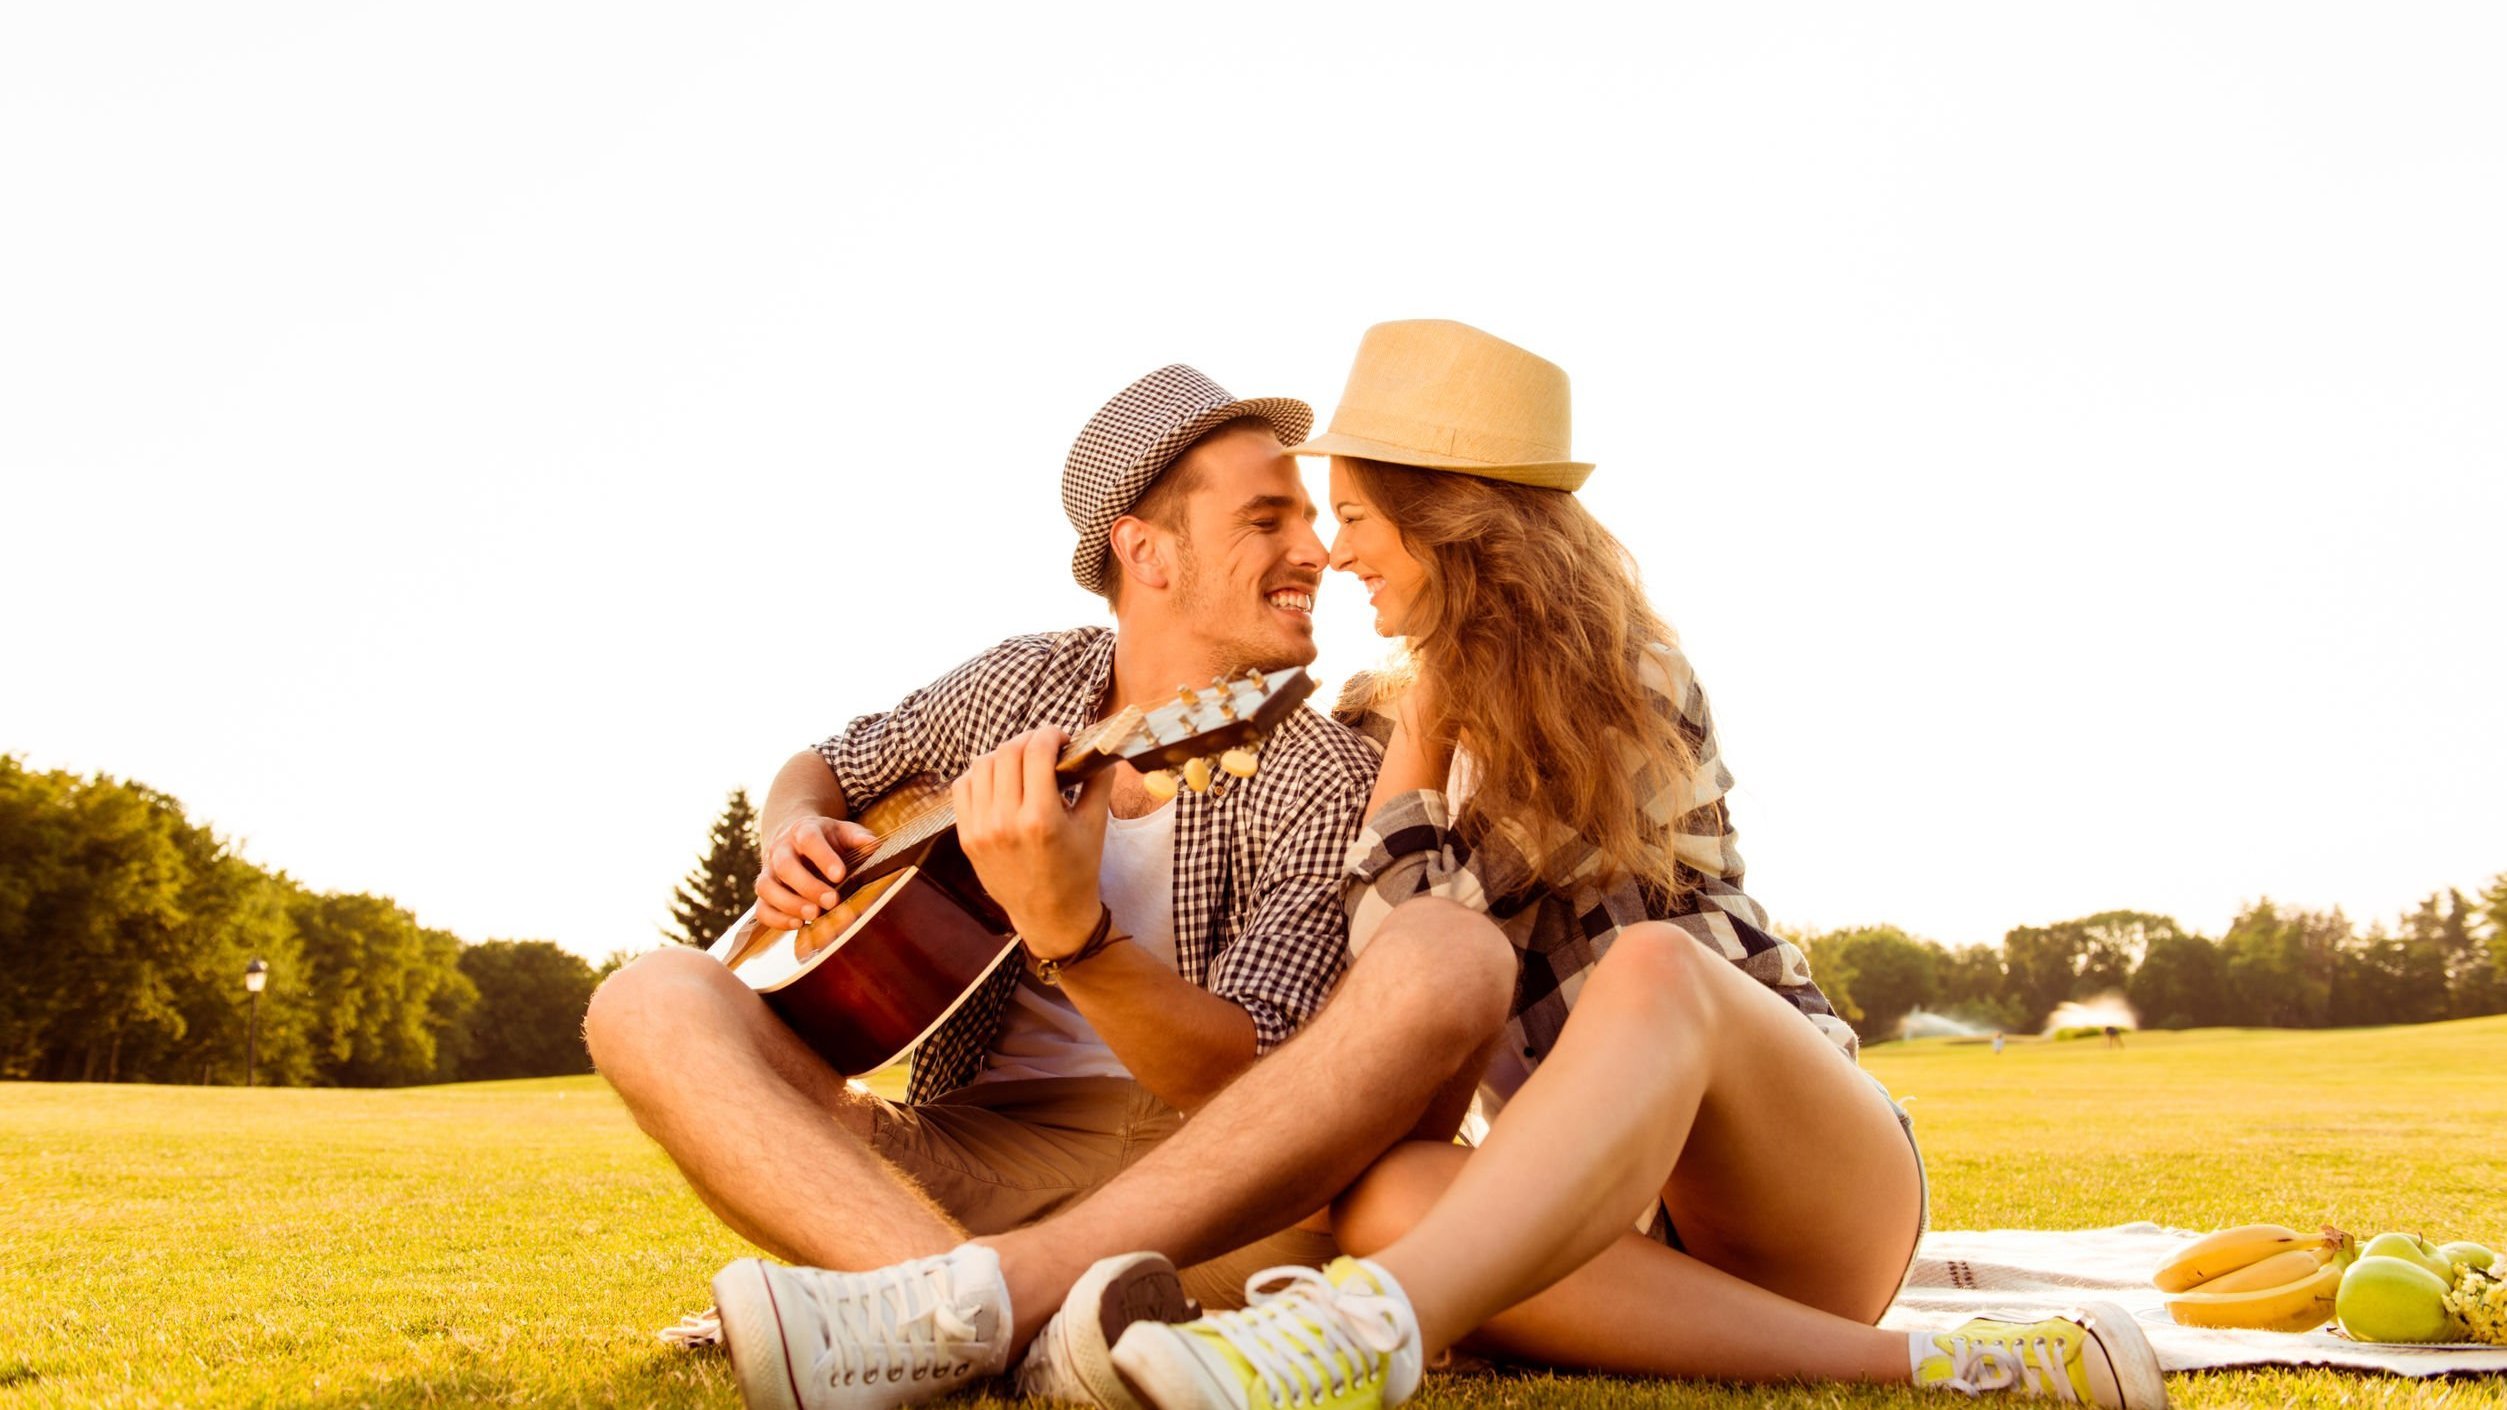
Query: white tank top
x=1043, y=1034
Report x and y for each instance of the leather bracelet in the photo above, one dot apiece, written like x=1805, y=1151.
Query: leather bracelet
x=1049, y=972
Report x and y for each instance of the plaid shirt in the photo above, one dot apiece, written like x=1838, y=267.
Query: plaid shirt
x=1411, y=848
x=1258, y=861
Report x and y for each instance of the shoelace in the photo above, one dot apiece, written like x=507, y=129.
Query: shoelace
x=1291, y=1333
x=897, y=1323
x=1980, y=1366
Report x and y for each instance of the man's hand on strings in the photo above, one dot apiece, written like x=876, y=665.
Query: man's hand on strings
x=1037, y=858
x=803, y=864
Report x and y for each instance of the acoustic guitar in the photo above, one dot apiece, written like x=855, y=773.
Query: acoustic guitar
x=913, y=935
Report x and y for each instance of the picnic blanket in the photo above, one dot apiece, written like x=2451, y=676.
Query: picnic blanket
x=1958, y=1275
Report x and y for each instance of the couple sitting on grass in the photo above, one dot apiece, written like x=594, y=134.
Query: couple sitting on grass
x=1250, y=1020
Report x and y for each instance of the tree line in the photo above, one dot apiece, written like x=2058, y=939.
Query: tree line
x=125, y=930
x=2276, y=966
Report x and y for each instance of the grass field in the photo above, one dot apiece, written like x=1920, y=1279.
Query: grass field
x=516, y=1243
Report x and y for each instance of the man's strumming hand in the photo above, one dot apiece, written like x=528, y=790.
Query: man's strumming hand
x=802, y=866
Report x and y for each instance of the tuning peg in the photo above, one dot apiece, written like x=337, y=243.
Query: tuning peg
x=1197, y=775
x=1239, y=762
x=1160, y=784
x=1254, y=674
x=1184, y=695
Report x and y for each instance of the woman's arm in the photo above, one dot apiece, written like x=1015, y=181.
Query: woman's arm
x=1414, y=758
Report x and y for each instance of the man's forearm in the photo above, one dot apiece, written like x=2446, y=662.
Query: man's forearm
x=1180, y=1040
x=803, y=787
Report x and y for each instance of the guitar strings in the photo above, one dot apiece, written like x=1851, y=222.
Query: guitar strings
x=941, y=814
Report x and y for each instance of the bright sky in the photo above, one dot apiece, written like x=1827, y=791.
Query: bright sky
x=451, y=446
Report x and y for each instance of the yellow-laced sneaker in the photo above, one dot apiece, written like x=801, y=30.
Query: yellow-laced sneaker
x=2094, y=1355
x=1340, y=1339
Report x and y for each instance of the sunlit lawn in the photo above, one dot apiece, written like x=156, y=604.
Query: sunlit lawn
x=517, y=1243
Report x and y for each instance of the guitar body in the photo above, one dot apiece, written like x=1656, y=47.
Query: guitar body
x=913, y=935
x=866, y=982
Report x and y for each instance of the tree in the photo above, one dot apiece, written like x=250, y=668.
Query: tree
x=2494, y=916
x=2387, y=978
x=92, y=899
x=1875, y=975
x=529, y=1018
x=2281, y=966
x=2474, y=984
x=723, y=886
x=1968, y=984
x=234, y=913
x=2076, y=959
x=2114, y=944
x=2409, y=971
x=2181, y=982
x=380, y=989
x=2041, y=963
x=1893, y=976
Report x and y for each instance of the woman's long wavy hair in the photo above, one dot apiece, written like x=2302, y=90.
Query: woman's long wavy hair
x=1532, y=622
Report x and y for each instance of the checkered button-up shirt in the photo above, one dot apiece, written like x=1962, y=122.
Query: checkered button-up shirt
x=1411, y=847
x=1258, y=861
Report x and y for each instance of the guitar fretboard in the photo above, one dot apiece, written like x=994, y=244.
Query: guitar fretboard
x=1084, y=756
x=913, y=833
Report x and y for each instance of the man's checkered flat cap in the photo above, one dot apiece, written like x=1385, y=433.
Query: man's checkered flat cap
x=1133, y=438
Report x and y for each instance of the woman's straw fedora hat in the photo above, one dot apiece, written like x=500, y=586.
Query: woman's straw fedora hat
x=1442, y=395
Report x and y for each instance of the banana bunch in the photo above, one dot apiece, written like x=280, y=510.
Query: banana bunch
x=2259, y=1277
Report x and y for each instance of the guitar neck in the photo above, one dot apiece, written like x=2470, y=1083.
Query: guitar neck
x=879, y=856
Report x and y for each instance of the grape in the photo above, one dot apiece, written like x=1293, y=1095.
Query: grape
x=2479, y=1301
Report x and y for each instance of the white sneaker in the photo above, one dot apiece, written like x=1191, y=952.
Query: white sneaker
x=1072, y=1359
x=1340, y=1339
x=813, y=1339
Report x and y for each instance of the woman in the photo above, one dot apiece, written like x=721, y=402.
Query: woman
x=1684, y=1177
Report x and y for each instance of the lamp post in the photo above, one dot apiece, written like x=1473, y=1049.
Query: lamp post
x=256, y=974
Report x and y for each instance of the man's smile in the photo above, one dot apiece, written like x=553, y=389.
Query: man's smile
x=1292, y=599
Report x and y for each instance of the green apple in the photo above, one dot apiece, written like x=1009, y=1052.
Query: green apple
x=2464, y=1251
x=2411, y=1248
x=2383, y=1298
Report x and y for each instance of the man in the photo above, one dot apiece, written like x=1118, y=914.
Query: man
x=1226, y=932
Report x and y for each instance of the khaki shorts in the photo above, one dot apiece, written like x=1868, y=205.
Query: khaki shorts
x=1000, y=1155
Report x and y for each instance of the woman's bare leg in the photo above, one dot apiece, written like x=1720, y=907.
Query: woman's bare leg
x=1679, y=1076
x=1638, y=1309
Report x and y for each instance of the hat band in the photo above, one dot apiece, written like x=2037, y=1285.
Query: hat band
x=1460, y=442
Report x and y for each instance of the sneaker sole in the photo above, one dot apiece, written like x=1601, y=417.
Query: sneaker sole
x=2133, y=1366
x=753, y=1334
x=1162, y=1371
x=1112, y=1295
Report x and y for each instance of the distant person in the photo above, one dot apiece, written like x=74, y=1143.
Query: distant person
x=1997, y=1043
x=2115, y=1036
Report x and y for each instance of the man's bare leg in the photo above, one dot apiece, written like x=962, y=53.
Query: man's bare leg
x=1421, y=1004
x=1788, y=1177
x=769, y=1136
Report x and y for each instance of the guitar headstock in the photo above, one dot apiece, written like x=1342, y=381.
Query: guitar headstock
x=1199, y=734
